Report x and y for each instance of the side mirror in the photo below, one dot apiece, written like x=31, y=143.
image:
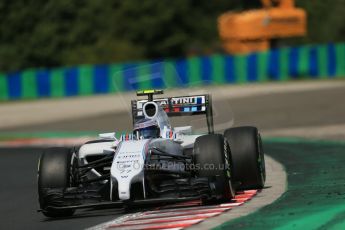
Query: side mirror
x=108, y=136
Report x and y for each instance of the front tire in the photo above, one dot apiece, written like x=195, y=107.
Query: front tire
x=248, y=157
x=212, y=158
x=54, y=172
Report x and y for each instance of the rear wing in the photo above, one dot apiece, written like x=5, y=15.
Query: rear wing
x=179, y=106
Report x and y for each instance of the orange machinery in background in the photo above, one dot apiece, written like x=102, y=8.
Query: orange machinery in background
x=252, y=30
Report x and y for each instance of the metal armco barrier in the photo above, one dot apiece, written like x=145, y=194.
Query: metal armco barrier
x=319, y=61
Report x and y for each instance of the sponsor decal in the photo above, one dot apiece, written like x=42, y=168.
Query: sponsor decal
x=179, y=104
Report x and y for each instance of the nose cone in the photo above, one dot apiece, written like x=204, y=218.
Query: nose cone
x=128, y=166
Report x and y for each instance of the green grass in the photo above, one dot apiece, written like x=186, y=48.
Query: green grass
x=315, y=198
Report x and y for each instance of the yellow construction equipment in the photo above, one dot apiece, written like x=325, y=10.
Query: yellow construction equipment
x=252, y=30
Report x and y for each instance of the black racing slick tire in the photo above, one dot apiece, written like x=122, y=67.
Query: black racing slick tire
x=54, y=172
x=247, y=157
x=212, y=160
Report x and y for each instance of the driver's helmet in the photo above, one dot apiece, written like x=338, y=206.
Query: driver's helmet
x=146, y=129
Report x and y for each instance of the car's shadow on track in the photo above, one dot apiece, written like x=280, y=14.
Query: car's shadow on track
x=94, y=213
x=87, y=214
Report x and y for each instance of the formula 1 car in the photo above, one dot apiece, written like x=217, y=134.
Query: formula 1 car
x=154, y=164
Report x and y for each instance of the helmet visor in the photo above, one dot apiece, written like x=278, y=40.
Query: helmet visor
x=149, y=132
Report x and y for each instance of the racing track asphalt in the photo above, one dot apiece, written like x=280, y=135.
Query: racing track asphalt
x=18, y=166
x=267, y=112
x=18, y=196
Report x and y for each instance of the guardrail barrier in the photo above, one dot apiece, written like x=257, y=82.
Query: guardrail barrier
x=313, y=61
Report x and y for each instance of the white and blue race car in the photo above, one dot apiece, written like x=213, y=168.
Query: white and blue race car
x=154, y=164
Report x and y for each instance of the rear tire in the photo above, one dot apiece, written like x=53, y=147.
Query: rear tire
x=54, y=172
x=212, y=157
x=248, y=157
